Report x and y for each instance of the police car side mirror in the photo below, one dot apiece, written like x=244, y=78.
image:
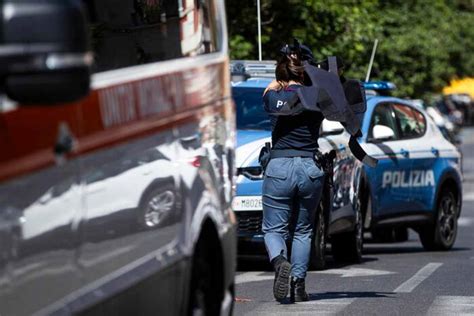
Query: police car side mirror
x=331, y=128
x=44, y=54
x=382, y=132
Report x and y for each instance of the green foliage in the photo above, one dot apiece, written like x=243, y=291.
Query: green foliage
x=241, y=48
x=422, y=44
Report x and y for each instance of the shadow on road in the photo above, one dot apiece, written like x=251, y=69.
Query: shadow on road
x=339, y=295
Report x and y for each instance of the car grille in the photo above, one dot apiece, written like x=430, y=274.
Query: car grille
x=250, y=222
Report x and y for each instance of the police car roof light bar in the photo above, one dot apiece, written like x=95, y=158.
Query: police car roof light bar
x=379, y=85
x=251, y=68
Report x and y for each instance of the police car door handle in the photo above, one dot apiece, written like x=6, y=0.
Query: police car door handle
x=435, y=151
x=404, y=153
x=342, y=147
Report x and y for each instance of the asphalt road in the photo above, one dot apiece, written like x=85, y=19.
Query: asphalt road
x=394, y=279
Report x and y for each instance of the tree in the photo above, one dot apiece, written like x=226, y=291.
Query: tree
x=423, y=44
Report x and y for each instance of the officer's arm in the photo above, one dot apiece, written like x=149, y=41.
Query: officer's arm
x=283, y=102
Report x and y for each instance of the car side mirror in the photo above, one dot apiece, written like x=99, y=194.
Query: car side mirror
x=331, y=128
x=382, y=132
x=44, y=52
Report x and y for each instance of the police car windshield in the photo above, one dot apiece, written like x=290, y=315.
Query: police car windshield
x=249, y=108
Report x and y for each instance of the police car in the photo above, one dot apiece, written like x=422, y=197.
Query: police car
x=416, y=184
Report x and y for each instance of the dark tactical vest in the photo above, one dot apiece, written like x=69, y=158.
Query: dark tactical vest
x=343, y=102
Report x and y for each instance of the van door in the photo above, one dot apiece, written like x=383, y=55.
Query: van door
x=130, y=224
x=39, y=207
x=132, y=206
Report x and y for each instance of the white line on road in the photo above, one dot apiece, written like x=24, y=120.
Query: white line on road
x=253, y=277
x=355, y=272
x=465, y=221
x=344, y=273
x=410, y=284
x=452, y=305
x=468, y=197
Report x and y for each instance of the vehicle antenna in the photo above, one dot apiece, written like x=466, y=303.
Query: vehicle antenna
x=374, y=49
x=259, y=32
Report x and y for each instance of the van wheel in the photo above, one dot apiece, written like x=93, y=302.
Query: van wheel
x=442, y=233
x=205, y=298
x=347, y=247
x=318, y=242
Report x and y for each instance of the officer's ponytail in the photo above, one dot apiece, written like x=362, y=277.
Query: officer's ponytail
x=289, y=68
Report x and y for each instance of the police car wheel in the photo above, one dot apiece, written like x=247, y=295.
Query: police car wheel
x=318, y=242
x=441, y=235
x=347, y=247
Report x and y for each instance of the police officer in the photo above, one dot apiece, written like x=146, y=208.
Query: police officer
x=294, y=180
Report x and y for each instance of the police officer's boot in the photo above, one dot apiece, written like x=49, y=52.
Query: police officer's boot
x=282, y=277
x=298, y=291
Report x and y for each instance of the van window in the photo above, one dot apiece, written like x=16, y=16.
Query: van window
x=126, y=33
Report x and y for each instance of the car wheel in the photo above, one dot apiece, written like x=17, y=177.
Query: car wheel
x=156, y=205
x=368, y=212
x=442, y=233
x=318, y=242
x=204, y=298
x=347, y=247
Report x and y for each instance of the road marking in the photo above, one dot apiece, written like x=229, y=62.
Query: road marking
x=452, y=305
x=253, y=277
x=247, y=277
x=465, y=221
x=331, y=306
x=468, y=197
x=410, y=284
x=355, y=272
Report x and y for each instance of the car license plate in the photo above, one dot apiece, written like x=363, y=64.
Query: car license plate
x=247, y=203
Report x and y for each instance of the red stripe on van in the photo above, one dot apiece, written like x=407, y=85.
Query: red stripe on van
x=110, y=116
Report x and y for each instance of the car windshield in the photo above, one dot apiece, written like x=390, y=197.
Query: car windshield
x=249, y=108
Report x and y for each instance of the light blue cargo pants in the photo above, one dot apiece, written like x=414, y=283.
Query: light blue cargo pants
x=291, y=191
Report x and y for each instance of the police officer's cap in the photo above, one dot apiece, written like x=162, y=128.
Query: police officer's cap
x=303, y=51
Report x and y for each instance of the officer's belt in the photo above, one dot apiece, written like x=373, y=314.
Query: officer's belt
x=290, y=153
